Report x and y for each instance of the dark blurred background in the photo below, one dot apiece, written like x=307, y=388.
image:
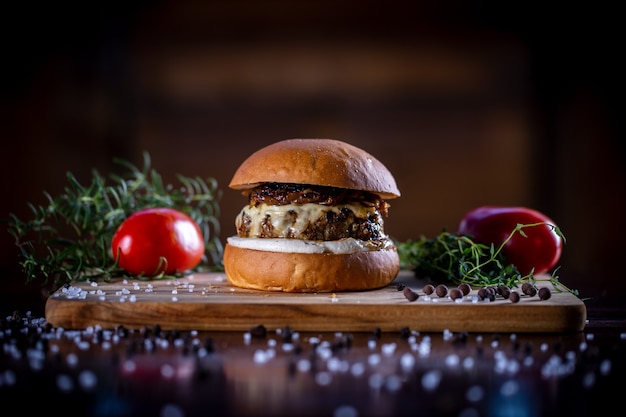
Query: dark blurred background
x=467, y=103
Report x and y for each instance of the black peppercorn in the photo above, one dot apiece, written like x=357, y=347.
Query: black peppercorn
x=482, y=293
x=487, y=293
x=465, y=288
x=504, y=291
x=456, y=294
x=258, y=332
x=544, y=293
x=528, y=288
x=410, y=294
x=287, y=334
x=405, y=332
x=441, y=290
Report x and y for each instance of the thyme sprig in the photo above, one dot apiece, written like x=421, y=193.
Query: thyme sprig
x=456, y=259
x=69, y=238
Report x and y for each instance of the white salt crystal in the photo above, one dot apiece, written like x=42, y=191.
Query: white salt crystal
x=431, y=379
x=167, y=371
x=393, y=383
x=260, y=356
x=345, y=411
x=64, y=383
x=87, y=379
x=589, y=380
x=323, y=378
x=373, y=359
x=72, y=359
x=452, y=360
x=371, y=344
x=407, y=361
x=376, y=380
x=388, y=349
x=171, y=410
x=303, y=365
x=357, y=369
x=605, y=367
x=8, y=378
x=475, y=393
x=468, y=363
x=509, y=388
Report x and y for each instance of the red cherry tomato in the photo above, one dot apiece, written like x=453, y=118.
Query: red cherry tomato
x=540, y=249
x=158, y=240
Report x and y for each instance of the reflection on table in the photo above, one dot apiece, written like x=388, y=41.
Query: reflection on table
x=122, y=372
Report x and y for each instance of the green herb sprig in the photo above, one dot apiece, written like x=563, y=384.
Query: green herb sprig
x=69, y=238
x=453, y=258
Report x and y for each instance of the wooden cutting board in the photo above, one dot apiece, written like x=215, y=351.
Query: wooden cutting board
x=208, y=302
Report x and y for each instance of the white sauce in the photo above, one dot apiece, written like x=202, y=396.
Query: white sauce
x=303, y=246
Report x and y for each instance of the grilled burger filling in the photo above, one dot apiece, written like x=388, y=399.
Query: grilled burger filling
x=308, y=212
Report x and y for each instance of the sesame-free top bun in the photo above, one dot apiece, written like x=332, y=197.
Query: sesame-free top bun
x=310, y=272
x=325, y=162
x=352, y=263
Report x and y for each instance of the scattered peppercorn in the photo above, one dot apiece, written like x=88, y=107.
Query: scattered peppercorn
x=441, y=290
x=405, y=332
x=287, y=334
x=526, y=286
x=544, y=293
x=514, y=296
x=487, y=293
x=456, y=294
x=342, y=342
x=504, y=291
x=465, y=288
x=482, y=293
x=121, y=331
x=428, y=289
x=410, y=294
x=258, y=332
x=208, y=345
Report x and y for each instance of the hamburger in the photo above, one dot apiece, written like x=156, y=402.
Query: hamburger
x=314, y=221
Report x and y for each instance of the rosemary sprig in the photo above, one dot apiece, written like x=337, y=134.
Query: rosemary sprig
x=69, y=238
x=453, y=258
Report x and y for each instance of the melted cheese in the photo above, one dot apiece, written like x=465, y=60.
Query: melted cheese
x=293, y=225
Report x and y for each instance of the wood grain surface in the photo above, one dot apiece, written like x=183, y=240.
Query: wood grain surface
x=208, y=302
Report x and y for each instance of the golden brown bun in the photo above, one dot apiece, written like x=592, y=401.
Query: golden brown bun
x=309, y=272
x=326, y=162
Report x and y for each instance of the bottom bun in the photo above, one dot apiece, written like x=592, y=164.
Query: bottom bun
x=309, y=272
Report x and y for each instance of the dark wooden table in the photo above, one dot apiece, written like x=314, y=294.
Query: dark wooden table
x=152, y=372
